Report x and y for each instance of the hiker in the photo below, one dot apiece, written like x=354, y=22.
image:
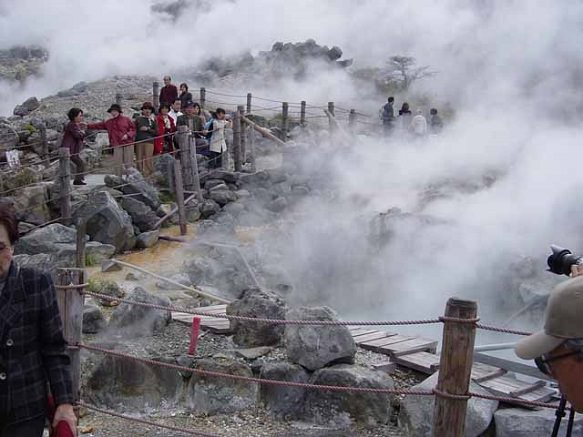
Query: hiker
x=184, y=96
x=195, y=123
x=33, y=350
x=146, y=131
x=73, y=137
x=175, y=110
x=558, y=348
x=121, y=131
x=418, y=126
x=169, y=92
x=435, y=122
x=405, y=116
x=218, y=143
x=166, y=127
x=388, y=115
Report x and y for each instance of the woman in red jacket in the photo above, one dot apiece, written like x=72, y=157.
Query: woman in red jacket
x=166, y=126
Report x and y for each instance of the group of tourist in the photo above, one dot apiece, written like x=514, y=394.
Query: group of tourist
x=415, y=125
x=150, y=133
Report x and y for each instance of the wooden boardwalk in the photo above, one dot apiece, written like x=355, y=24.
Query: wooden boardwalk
x=412, y=352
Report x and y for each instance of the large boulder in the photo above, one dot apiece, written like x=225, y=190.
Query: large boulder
x=106, y=221
x=93, y=320
x=138, y=321
x=212, y=395
x=223, y=196
x=137, y=186
x=416, y=415
x=327, y=406
x=518, y=422
x=31, y=204
x=9, y=137
x=315, y=347
x=209, y=208
x=281, y=401
x=45, y=262
x=147, y=239
x=27, y=107
x=142, y=215
x=257, y=303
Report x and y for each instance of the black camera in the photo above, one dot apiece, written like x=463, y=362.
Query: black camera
x=561, y=260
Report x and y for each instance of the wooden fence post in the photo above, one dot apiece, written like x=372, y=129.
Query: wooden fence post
x=249, y=98
x=241, y=110
x=303, y=113
x=455, y=368
x=156, y=95
x=284, y=120
x=331, y=111
x=180, y=197
x=70, y=301
x=202, y=97
x=351, y=119
x=185, y=157
x=45, y=144
x=118, y=98
x=252, y=149
x=65, y=185
x=237, y=138
x=81, y=227
x=195, y=173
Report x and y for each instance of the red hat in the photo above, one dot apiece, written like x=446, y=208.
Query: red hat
x=62, y=430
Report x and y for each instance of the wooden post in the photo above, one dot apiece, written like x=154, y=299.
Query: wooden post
x=303, y=113
x=237, y=138
x=65, y=185
x=241, y=110
x=284, y=120
x=249, y=98
x=80, y=250
x=156, y=95
x=70, y=301
x=264, y=132
x=185, y=157
x=251, y=138
x=351, y=119
x=202, y=97
x=455, y=368
x=180, y=197
x=331, y=111
x=195, y=174
x=45, y=144
x=118, y=98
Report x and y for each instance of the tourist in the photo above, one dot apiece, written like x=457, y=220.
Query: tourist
x=388, y=115
x=184, y=96
x=418, y=126
x=121, y=131
x=166, y=127
x=218, y=143
x=175, y=110
x=169, y=92
x=146, y=131
x=435, y=122
x=73, y=137
x=405, y=116
x=195, y=123
x=558, y=349
x=33, y=351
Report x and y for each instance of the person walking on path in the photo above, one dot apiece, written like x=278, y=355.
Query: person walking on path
x=73, y=137
x=166, y=127
x=388, y=115
x=218, y=142
x=169, y=92
x=185, y=96
x=122, y=132
x=33, y=350
x=146, y=131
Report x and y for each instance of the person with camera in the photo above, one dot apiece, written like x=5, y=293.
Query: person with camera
x=558, y=348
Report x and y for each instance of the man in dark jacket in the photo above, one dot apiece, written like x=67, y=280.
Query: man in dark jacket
x=146, y=131
x=195, y=123
x=32, y=346
x=73, y=137
x=388, y=115
x=169, y=92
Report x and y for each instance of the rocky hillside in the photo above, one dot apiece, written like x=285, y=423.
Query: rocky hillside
x=17, y=63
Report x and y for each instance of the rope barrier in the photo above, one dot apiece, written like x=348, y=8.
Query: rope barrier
x=502, y=330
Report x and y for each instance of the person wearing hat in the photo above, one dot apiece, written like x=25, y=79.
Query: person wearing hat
x=146, y=131
x=121, y=131
x=558, y=348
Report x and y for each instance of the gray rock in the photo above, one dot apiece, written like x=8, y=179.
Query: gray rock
x=226, y=176
x=254, y=302
x=259, y=179
x=192, y=212
x=45, y=240
x=93, y=320
x=106, y=287
x=210, y=395
x=31, y=204
x=416, y=415
x=368, y=408
x=8, y=137
x=518, y=422
x=254, y=352
x=217, y=187
x=27, y=107
x=142, y=215
x=277, y=205
x=317, y=346
x=106, y=221
x=147, y=239
x=222, y=197
x=164, y=166
x=44, y=262
x=209, y=208
x=140, y=321
x=280, y=401
x=211, y=183
x=141, y=189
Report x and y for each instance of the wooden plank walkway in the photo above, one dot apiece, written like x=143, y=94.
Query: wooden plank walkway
x=412, y=352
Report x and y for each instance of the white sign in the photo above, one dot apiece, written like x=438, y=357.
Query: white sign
x=13, y=158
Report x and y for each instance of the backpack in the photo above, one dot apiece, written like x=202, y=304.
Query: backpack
x=209, y=128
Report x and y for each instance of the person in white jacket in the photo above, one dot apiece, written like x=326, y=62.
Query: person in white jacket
x=218, y=143
x=418, y=125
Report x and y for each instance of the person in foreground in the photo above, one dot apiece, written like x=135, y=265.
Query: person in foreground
x=558, y=349
x=32, y=346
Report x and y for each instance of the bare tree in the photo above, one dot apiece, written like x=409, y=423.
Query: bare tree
x=401, y=69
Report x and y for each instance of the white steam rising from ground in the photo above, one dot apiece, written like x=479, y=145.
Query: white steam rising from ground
x=512, y=70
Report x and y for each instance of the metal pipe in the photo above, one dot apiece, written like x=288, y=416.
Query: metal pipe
x=494, y=347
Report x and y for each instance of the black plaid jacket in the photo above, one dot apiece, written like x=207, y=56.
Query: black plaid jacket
x=32, y=346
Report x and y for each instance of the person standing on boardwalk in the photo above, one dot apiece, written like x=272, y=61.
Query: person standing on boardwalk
x=166, y=127
x=169, y=92
x=185, y=96
x=73, y=137
x=121, y=131
x=146, y=131
x=388, y=115
x=218, y=142
x=195, y=123
x=33, y=350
